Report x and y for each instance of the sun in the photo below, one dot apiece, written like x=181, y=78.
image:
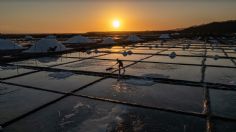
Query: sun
x=116, y=23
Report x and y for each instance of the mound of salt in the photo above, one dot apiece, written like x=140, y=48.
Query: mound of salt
x=108, y=40
x=124, y=53
x=46, y=45
x=216, y=57
x=79, y=40
x=28, y=37
x=164, y=36
x=6, y=44
x=129, y=52
x=172, y=55
x=134, y=38
x=51, y=37
x=96, y=51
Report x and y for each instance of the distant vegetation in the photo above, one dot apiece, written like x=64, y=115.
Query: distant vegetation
x=213, y=28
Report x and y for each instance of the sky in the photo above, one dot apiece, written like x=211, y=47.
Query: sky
x=78, y=16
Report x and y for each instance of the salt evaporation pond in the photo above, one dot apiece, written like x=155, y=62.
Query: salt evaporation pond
x=171, y=71
x=16, y=101
x=145, y=91
x=82, y=54
x=93, y=65
x=121, y=57
x=45, y=61
x=79, y=114
x=54, y=81
x=9, y=71
x=177, y=59
x=221, y=75
x=127, y=103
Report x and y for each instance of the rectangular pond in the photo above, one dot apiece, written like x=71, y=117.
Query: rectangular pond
x=185, y=52
x=232, y=54
x=213, y=53
x=177, y=59
x=121, y=57
x=149, y=51
x=82, y=54
x=221, y=75
x=94, y=65
x=219, y=125
x=219, y=62
x=15, y=101
x=223, y=103
x=9, y=71
x=171, y=71
x=149, y=93
x=57, y=81
x=77, y=114
x=45, y=61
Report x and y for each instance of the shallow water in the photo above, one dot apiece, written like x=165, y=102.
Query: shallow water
x=220, y=75
x=15, y=101
x=223, y=103
x=149, y=93
x=80, y=114
x=45, y=80
x=9, y=71
x=82, y=54
x=93, y=65
x=219, y=62
x=121, y=57
x=177, y=59
x=156, y=70
x=45, y=61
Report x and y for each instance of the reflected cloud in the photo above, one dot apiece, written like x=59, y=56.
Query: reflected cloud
x=60, y=75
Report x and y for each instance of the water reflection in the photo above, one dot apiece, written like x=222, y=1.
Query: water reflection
x=129, y=85
x=60, y=75
x=10, y=68
x=6, y=90
x=121, y=87
x=49, y=59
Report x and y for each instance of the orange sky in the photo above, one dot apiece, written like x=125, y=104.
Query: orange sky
x=75, y=16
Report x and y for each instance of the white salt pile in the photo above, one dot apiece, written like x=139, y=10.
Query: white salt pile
x=124, y=53
x=172, y=55
x=28, y=37
x=96, y=51
x=79, y=40
x=164, y=36
x=51, y=37
x=108, y=40
x=6, y=44
x=88, y=52
x=129, y=52
x=46, y=45
x=214, y=41
x=134, y=38
x=216, y=57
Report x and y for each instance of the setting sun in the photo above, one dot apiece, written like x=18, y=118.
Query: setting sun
x=116, y=23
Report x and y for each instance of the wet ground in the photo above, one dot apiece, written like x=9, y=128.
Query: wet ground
x=192, y=91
